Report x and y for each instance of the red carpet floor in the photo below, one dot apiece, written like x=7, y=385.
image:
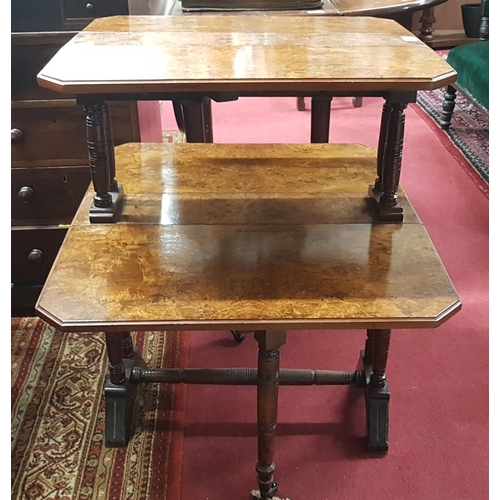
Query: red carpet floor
x=438, y=378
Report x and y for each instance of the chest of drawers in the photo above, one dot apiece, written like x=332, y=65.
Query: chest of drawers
x=49, y=161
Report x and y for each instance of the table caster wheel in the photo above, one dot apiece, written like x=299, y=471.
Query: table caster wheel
x=238, y=335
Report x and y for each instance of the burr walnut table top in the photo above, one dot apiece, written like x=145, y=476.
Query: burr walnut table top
x=251, y=53
x=219, y=236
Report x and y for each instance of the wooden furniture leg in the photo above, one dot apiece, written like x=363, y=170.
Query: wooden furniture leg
x=320, y=119
x=376, y=189
x=426, y=21
x=206, y=110
x=357, y=102
x=197, y=118
x=301, y=104
x=448, y=106
x=389, y=162
x=119, y=389
x=377, y=394
x=108, y=198
x=267, y=407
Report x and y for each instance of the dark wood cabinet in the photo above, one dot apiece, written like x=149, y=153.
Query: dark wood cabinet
x=49, y=158
x=61, y=15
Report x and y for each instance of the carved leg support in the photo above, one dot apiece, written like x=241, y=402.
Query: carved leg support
x=119, y=390
x=108, y=199
x=389, y=162
x=320, y=119
x=377, y=394
x=448, y=107
x=267, y=407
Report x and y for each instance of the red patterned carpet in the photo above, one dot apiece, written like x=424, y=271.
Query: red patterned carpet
x=58, y=419
x=467, y=139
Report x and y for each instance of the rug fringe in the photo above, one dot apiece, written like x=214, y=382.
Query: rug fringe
x=256, y=496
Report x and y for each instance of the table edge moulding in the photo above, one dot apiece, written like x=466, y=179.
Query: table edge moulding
x=255, y=238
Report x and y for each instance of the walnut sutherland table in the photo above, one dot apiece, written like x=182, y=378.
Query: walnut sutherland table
x=260, y=237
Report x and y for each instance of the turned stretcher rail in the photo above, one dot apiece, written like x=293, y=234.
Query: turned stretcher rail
x=244, y=376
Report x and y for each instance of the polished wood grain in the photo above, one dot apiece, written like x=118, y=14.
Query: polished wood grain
x=224, y=277
x=245, y=184
x=249, y=53
x=247, y=273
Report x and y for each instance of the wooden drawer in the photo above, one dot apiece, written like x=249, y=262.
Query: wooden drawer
x=56, y=15
x=53, y=132
x=33, y=253
x=74, y=10
x=47, y=195
x=49, y=131
x=30, y=52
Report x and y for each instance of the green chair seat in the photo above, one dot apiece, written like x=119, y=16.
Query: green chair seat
x=471, y=63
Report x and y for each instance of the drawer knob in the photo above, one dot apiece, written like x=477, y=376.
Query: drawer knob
x=26, y=194
x=89, y=7
x=35, y=256
x=16, y=136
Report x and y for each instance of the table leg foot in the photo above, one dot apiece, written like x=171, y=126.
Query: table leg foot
x=109, y=214
x=377, y=419
x=118, y=414
x=239, y=335
x=120, y=389
x=385, y=213
x=377, y=395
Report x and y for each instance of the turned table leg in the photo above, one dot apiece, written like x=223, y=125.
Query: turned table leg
x=377, y=394
x=267, y=407
x=108, y=198
x=390, y=152
x=448, y=106
x=426, y=21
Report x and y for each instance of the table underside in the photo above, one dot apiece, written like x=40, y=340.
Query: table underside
x=246, y=237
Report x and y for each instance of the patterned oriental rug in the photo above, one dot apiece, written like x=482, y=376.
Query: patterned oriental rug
x=467, y=139
x=57, y=413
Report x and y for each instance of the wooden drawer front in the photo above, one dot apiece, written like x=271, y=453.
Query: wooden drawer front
x=33, y=253
x=89, y=9
x=50, y=133
x=56, y=131
x=49, y=195
x=29, y=54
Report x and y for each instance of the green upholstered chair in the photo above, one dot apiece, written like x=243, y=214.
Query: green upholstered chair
x=471, y=63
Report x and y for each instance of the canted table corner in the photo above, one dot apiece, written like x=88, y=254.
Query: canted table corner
x=259, y=238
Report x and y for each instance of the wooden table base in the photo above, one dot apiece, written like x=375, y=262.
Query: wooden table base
x=248, y=238
x=127, y=370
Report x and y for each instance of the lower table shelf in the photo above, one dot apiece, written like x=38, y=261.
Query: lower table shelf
x=261, y=238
